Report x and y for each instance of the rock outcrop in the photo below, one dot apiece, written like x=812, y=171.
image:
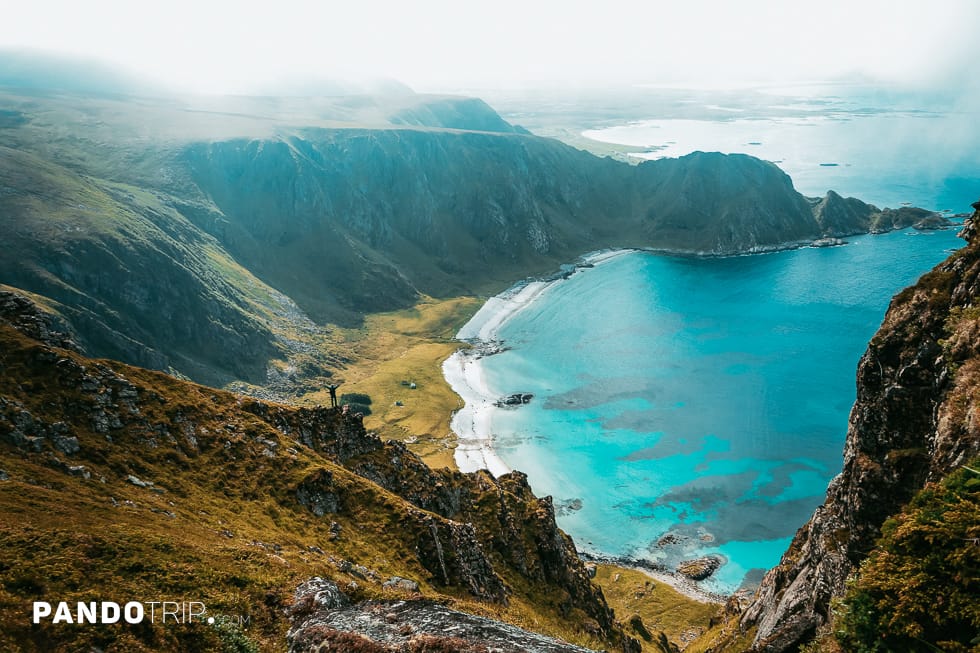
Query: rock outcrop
x=73, y=429
x=914, y=421
x=24, y=315
x=699, y=568
x=839, y=216
x=523, y=536
x=324, y=619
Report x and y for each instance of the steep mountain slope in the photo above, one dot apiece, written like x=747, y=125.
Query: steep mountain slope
x=122, y=484
x=914, y=422
x=714, y=204
x=133, y=277
x=921, y=583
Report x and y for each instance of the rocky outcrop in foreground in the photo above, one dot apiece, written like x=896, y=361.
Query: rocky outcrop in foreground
x=97, y=443
x=914, y=421
x=324, y=619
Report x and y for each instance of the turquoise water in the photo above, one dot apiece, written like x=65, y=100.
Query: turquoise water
x=707, y=398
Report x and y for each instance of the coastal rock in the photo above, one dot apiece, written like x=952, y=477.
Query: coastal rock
x=970, y=226
x=839, y=216
x=700, y=568
x=932, y=223
x=670, y=539
x=914, y=421
x=518, y=399
x=568, y=507
x=828, y=242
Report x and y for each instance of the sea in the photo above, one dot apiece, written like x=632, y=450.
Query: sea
x=686, y=407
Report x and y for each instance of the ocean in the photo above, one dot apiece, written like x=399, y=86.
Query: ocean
x=882, y=146
x=701, y=399
x=685, y=407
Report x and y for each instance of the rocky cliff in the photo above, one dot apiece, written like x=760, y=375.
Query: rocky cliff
x=324, y=619
x=421, y=211
x=119, y=483
x=839, y=216
x=914, y=422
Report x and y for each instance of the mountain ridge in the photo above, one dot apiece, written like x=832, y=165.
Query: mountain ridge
x=267, y=234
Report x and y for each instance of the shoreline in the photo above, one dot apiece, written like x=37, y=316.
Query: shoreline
x=681, y=584
x=472, y=424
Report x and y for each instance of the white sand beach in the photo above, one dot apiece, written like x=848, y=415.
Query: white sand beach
x=473, y=424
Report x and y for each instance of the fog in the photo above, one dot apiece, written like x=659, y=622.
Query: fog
x=436, y=45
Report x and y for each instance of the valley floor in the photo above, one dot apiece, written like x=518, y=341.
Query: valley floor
x=398, y=362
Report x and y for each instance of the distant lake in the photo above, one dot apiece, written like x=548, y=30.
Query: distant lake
x=705, y=398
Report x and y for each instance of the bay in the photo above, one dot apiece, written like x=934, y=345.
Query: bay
x=704, y=399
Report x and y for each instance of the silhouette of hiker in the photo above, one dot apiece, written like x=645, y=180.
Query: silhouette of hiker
x=333, y=394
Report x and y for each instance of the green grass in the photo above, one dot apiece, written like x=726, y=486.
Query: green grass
x=660, y=607
x=409, y=346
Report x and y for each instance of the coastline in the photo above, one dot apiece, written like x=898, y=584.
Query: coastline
x=472, y=424
x=681, y=584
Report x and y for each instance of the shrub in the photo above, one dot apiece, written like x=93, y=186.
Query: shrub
x=919, y=589
x=355, y=398
x=359, y=408
x=233, y=639
x=358, y=402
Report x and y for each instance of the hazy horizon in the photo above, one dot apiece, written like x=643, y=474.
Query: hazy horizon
x=437, y=46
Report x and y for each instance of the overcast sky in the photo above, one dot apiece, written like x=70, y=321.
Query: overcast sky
x=233, y=46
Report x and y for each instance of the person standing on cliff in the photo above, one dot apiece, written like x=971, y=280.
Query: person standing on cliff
x=333, y=394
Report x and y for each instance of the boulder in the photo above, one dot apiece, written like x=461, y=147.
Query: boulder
x=699, y=568
x=399, y=583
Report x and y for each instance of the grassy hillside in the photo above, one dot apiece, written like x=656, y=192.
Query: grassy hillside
x=391, y=352
x=124, y=484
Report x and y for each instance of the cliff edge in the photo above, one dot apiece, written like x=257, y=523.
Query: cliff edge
x=122, y=484
x=914, y=422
